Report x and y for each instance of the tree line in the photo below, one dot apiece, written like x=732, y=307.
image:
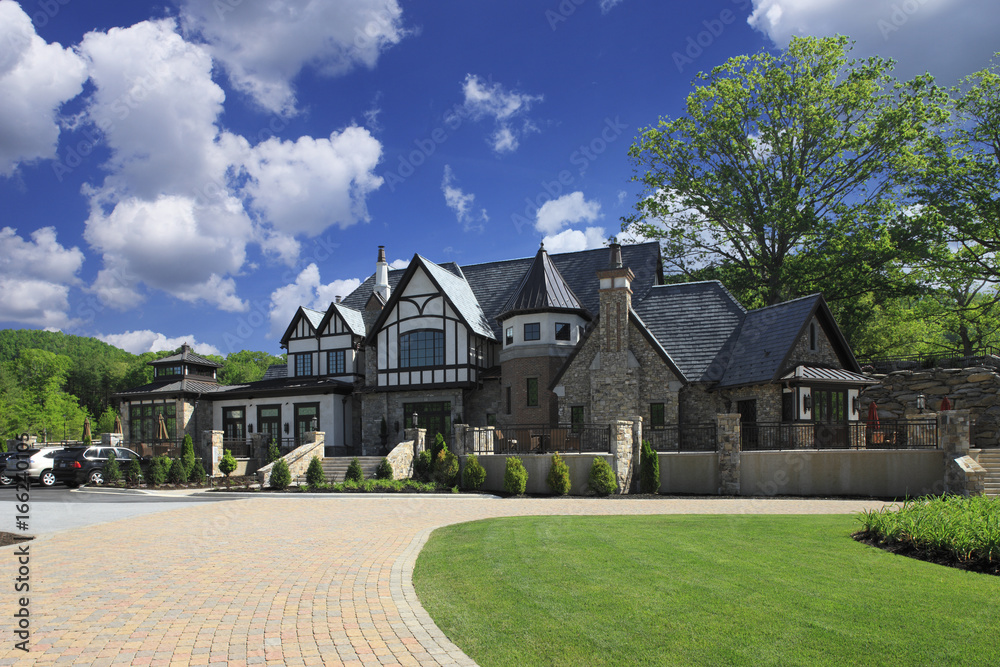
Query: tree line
x=51, y=382
x=808, y=171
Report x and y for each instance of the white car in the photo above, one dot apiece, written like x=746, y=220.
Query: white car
x=39, y=465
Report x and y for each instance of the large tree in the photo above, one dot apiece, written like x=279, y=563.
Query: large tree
x=784, y=174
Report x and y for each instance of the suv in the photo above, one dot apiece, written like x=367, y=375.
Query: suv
x=79, y=465
x=40, y=460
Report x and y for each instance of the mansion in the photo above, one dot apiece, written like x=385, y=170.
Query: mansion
x=574, y=338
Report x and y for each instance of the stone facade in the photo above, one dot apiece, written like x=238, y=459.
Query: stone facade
x=728, y=436
x=768, y=397
x=298, y=459
x=401, y=460
x=823, y=355
x=622, y=450
x=953, y=430
x=698, y=405
x=481, y=402
x=974, y=389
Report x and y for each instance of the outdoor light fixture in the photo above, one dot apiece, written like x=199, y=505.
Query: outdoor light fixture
x=250, y=428
x=286, y=427
x=414, y=420
x=313, y=425
x=807, y=402
x=921, y=402
x=855, y=404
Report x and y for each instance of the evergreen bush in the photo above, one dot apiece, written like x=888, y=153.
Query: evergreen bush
x=446, y=468
x=187, y=453
x=133, y=475
x=228, y=463
x=177, y=475
x=314, y=473
x=474, y=475
x=558, y=479
x=423, y=465
x=273, y=453
x=384, y=470
x=439, y=444
x=112, y=471
x=515, y=477
x=281, y=476
x=649, y=469
x=354, y=471
x=197, y=473
x=602, y=478
x=158, y=471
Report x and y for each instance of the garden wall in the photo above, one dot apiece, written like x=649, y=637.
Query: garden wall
x=689, y=472
x=538, y=466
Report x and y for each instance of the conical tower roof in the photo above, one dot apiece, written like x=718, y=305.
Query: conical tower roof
x=542, y=289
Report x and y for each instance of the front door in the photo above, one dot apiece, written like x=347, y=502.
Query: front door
x=234, y=423
x=749, y=431
x=269, y=423
x=830, y=415
x=306, y=419
x=435, y=417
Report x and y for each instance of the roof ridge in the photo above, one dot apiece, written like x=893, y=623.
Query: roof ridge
x=785, y=303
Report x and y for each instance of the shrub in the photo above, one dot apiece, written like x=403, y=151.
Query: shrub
x=187, y=453
x=177, y=475
x=228, y=463
x=273, y=453
x=423, y=465
x=384, y=470
x=475, y=475
x=515, y=477
x=133, y=474
x=314, y=474
x=197, y=472
x=446, y=468
x=439, y=444
x=558, y=479
x=281, y=476
x=112, y=471
x=354, y=471
x=649, y=469
x=158, y=469
x=602, y=478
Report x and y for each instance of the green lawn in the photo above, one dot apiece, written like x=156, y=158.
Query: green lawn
x=699, y=590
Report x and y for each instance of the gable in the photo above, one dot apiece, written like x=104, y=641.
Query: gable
x=304, y=324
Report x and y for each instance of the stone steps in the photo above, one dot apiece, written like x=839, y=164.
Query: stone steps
x=990, y=459
x=335, y=468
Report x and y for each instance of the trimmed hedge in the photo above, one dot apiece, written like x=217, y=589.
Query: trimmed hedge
x=314, y=474
x=602, y=478
x=474, y=475
x=281, y=476
x=228, y=463
x=558, y=478
x=354, y=471
x=515, y=477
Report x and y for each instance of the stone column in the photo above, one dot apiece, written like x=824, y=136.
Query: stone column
x=212, y=445
x=621, y=449
x=727, y=429
x=418, y=436
x=953, y=433
x=459, y=446
x=636, y=450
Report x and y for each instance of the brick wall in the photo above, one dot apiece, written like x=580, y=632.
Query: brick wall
x=515, y=375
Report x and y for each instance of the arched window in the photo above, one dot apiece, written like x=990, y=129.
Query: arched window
x=421, y=348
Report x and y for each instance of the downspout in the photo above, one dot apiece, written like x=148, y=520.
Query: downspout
x=343, y=421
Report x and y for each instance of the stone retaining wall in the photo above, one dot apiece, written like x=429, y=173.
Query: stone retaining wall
x=298, y=459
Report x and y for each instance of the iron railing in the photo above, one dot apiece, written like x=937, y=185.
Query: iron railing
x=952, y=359
x=172, y=448
x=884, y=434
x=682, y=438
x=240, y=449
x=528, y=439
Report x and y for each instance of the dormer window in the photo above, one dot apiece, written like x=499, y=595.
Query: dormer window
x=303, y=364
x=532, y=331
x=169, y=370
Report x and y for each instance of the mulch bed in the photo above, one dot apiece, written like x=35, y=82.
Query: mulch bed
x=7, y=539
x=981, y=566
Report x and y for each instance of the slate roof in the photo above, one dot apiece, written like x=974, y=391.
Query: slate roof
x=695, y=323
x=460, y=293
x=765, y=339
x=354, y=320
x=315, y=317
x=185, y=356
x=183, y=386
x=276, y=371
x=543, y=288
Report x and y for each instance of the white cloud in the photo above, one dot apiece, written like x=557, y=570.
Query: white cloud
x=948, y=38
x=265, y=45
x=399, y=263
x=35, y=80
x=308, y=290
x=305, y=186
x=573, y=240
x=138, y=342
x=35, y=278
x=508, y=109
x=462, y=203
x=568, y=209
x=608, y=5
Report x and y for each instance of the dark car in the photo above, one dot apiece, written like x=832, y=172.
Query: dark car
x=80, y=465
x=5, y=479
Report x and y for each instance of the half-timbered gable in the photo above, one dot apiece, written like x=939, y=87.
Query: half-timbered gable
x=301, y=339
x=431, y=332
x=340, y=334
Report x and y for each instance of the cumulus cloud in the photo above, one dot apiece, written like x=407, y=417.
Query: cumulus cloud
x=948, y=38
x=507, y=108
x=35, y=278
x=308, y=185
x=399, y=263
x=462, y=203
x=265, y=45
x=573, y=240
x=308, y=290
x=566, y=210
x=35, y=80
x=138, y=342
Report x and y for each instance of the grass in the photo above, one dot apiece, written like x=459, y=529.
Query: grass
x=964, y=531
x=698, y=590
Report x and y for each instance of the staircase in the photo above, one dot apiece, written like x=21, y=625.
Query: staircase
x=990, y=459
x=335, y=467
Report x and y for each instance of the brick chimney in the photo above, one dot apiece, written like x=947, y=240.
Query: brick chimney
x=616, y=301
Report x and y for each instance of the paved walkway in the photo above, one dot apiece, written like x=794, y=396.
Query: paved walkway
x=294, y=581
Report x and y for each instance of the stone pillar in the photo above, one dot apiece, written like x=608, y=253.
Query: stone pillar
x=953, y=433
x=636, y=450
x=459, y=443
x=212, y=445
x=418, y=436
x=621, y=449
x=727, y=428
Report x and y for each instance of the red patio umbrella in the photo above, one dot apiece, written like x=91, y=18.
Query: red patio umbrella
x=875, y=435
x=873, y=414
x=945, y=404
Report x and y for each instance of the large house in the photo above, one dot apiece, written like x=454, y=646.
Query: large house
x=574, y=338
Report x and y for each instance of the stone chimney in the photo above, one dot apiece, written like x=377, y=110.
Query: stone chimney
x=337, y=298
x=616, y=301
x=382, y=275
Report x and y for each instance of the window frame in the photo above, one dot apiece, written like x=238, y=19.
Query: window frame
x=300, y=364
x=336, y=368
x=657, y=415
x=531, y=392
x=536, y=331
x=509, y=336
x=563, y=331
x=405, y=348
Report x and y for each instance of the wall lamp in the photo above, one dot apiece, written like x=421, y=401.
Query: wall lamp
x=921, y=402
x=807, y=402
x=855, y=404
x=286, y=427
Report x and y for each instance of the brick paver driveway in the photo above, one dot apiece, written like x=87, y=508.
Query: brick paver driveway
x=294, y=581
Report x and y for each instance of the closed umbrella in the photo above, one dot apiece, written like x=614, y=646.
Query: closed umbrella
x=87, y=437
x=875, y=436
x=161, y=429
x=945, y=404
x=118, y=425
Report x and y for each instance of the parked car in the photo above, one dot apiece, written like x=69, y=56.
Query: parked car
x=39, y=465
x=79, y=465
x=5, y=479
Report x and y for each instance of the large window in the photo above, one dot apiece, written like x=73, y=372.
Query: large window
x=532, y=331
x=421, y=348
x=576, y=418
x=336, y=362
x=169, y=370
x=509, y=338
x=562, y=331
x=234, y=422
x=303, y=364
x=657, y=415
x=532, y=392
x=144, y=420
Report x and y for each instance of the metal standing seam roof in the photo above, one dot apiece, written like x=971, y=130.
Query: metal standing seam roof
x=182, y=386
x=186, y=356
x=543, y=288
x=814, y=374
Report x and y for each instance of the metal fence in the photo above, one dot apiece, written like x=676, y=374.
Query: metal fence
x=527, y=439
x=682, y=438
x=886, y=364
x=884, y=434
x=172, y=448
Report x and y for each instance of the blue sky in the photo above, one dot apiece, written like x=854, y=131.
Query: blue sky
x=196, y=170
